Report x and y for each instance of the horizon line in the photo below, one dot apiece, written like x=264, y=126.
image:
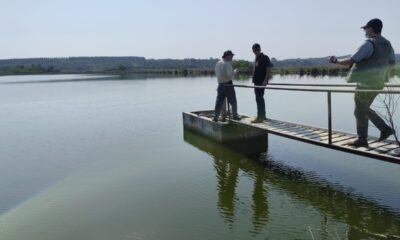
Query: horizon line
x=128, y=56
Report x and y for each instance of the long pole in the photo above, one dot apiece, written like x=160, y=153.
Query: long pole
x=228, y=109
x=329, y=118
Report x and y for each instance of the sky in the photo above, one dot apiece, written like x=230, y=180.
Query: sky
x=190, y=29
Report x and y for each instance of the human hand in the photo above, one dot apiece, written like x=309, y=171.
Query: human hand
x=264, y=83
x=333, y=59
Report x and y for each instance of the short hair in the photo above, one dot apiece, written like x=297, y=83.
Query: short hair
x=256, y=46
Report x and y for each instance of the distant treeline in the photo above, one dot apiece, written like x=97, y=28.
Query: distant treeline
x=100, y=65
x=246, y=67
x=32, y=69
x=133, y=65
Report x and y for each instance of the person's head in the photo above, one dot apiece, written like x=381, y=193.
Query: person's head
x=373, y=27
x=256, y=48
x=228, y=55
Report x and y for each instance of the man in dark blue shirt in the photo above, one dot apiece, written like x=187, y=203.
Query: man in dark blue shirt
x=261, y=76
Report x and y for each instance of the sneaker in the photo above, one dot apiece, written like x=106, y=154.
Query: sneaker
x=259, y=120
x=358, y=143
x=237, y=118
x=385, y=134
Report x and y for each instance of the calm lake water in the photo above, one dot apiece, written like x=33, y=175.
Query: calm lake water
x=97, y=157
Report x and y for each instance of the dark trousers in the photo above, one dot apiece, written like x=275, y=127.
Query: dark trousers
x=225, y=91
x=259, y=92
x=363, y=113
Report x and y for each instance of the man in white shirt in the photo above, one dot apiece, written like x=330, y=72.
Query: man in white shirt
x=225, y=73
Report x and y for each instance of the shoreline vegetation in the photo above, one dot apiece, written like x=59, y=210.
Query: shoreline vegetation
x=198, y=68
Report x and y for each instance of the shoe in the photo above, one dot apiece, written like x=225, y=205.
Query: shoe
x=215, y=119
x=358, y=143
x=237, y=118
x=259, y=120
x=385, y=134
x=223, y=119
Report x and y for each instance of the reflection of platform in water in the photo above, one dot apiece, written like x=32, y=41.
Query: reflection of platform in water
x=244, y=129
x=342, y=204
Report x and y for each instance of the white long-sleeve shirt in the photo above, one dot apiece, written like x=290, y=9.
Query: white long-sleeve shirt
x=224, y=71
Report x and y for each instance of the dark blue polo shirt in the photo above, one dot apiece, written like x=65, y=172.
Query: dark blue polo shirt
x=260, y=68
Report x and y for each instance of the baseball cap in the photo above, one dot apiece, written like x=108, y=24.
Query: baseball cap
x=375, y=24
x=227, y=53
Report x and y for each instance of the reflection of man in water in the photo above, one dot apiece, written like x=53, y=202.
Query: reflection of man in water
x=369, y=71
x=227, y=175
x=228, y=165
x=260, y=201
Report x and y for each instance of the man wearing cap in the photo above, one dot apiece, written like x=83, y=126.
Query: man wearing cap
x=370, y=65
x=261, y=76
x=225, y=73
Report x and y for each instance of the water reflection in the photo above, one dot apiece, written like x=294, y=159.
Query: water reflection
x=363, y=217
x=227, y=165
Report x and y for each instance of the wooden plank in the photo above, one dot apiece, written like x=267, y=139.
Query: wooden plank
x=276, y=123
x=391, y=153
x=287, y=128
x=319, y=135
x=314, y=133
x=344, y=138
x=292, y=129
x=375, y=145
x=302, y=130
x=333, y=136
x=283, y=131
x=273, y=128
x=386, y=149
x=345, y=142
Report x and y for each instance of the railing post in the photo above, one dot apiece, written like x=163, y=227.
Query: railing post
x=329, y=118
x=228, y=109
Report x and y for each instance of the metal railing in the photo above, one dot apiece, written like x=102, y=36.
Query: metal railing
x=326, y=90
x=324, y=85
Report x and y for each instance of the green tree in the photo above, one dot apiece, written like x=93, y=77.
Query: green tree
x=243, y=66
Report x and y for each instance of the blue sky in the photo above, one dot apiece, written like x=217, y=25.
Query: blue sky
x=185, y=29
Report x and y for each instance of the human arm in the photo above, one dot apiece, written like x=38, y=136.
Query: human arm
x=344, y=61
x=392, y=59
x=230, y=72
x=364, y=52
x=268, y=75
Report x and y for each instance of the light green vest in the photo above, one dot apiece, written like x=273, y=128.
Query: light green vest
x=372, y=73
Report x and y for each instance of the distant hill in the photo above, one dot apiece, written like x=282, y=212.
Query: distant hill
x=100, y=64
x=132, y=64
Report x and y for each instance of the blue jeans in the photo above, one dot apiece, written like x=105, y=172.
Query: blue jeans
x=225, y=91
x=363, y=113
x=259, y=92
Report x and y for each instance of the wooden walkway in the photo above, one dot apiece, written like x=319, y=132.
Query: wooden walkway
x=319, y=136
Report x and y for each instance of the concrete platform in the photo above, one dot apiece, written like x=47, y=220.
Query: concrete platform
x=201, y=123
